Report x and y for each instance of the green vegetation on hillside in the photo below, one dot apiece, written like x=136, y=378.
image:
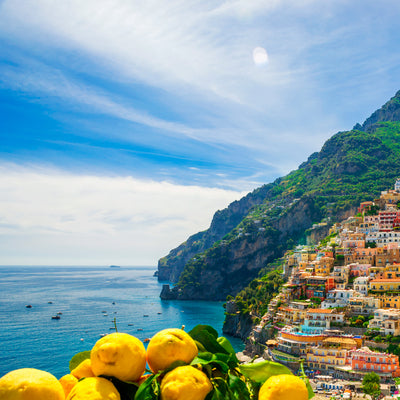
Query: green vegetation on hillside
x=256, y=296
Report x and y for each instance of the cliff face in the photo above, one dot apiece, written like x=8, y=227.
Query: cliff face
x=388, y=112
x=236, y=324
x=171, y=266
x=351, y=167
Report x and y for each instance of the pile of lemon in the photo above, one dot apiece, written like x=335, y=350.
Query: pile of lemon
x=181, y=367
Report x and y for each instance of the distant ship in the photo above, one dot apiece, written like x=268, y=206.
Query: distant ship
x=115, y=266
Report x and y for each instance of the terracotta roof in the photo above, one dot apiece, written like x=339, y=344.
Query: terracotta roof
x=320, y=310
x=386, y=280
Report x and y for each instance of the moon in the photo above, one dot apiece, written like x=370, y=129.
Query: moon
x=260, y=56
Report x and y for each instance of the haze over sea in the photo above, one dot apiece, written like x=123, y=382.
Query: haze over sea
x=29, y=337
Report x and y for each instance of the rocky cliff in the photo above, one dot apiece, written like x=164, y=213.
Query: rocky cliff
x=237, y=324
x=171, y=266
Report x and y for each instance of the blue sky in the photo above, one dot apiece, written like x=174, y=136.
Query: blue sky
x=125, y=125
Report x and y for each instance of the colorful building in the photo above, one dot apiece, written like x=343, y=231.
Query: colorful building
x=384, y=285
x=290, y=315
x=391, y=271
x=363, y=305
x=387, y=218
x=317, y=320
x=297, y=343
x=332, y=353
x=337, y=298
x=387, y=321
x=389, y=302
x=359, y=269
x=387, y=255
x=361, y=284
x=365, y=206
x=318, y=286
x=366, y=360
x=323, y=266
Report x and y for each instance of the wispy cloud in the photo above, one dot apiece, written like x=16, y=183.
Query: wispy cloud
x=197, y=53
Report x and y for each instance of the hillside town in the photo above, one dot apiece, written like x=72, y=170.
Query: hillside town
x=339, y=309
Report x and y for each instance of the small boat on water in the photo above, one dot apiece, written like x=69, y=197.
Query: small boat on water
x=145, y=315
x=146, y=340
x=139, y=329
x=49, y=302
x=29, y=306
x=59, y=313
x=55, y=317
x=130, y=324
x=159, y=313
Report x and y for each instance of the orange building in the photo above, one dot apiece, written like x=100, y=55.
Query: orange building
x=366, y=360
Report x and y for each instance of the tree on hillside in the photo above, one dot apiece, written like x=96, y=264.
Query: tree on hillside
x=371, y=385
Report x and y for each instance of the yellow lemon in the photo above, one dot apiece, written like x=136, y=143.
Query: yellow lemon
x=68, y=382
x=186, y=382
x=170, y=345
x=94, y=389
x=283, y=387
x=120, y=355
x=30, y=384
x=83, y=370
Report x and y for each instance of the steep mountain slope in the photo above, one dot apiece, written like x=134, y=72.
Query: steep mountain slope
x=171, y=266
x=352, y=166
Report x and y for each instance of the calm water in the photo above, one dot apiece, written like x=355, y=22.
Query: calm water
x=30, y=338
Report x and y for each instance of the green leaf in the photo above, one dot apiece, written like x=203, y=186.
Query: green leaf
x=200, y=347
x=238, y=388
x=226, y=344
x=306, y=380
x=214, y=360
x=207, y=336
x=221, y=390
x=200, y=328
x=78, y=358
x=311, y=393
x=149, y=389
x=261, y=371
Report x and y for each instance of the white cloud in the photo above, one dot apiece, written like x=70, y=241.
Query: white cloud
x=49, y=216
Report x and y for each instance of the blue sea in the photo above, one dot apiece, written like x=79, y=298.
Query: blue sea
x=88, y=299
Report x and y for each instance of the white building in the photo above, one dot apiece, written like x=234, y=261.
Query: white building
x=360, y=284
x=397, y=186
x=383, y=238
x=363, y=305
x=337, y=298
x=387, y=321
x=318, y=320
